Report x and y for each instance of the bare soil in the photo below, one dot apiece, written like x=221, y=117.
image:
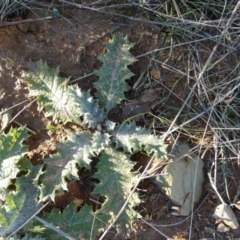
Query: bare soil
x=74, y=43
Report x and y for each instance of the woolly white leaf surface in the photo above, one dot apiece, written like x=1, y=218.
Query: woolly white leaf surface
x=16, y=206
x=133, y=139
x=116, y=183
x=63, y=167
x=100, y=141
x=82, y=223
x=11, y=152
x=111, y=84
x=61, y=101
x=19, y=206
x=89, y=109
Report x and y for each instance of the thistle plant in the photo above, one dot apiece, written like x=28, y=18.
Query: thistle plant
x=112, y=143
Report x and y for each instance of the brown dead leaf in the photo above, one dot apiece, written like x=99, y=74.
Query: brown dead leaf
x=155, y=73
x=78, y=202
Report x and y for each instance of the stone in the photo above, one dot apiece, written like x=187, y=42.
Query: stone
x=182, y=179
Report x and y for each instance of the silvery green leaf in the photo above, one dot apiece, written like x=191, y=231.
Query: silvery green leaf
x=114, y=72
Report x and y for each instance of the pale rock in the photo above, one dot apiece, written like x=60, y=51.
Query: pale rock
x=237, y=205
x=226, y=214
x=222, y=228
x=178, y=177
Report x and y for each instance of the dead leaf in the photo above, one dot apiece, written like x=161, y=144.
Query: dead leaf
x=155, y=74
x=136, y=108
x=78, y=202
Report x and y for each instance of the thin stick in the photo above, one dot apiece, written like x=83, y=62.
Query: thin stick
x=24, y=21
x=34, y=100
x=80, y=78
x=184, y=220
x=30, y=130
x=47, y=224
x=5, y=110
x=156, y=229
x=13, y=119
x=33, y=216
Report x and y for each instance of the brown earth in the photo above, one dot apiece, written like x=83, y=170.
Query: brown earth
x=74, y=43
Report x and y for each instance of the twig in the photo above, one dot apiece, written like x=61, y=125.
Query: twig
x=24, y=21
x=33, y=216
x=184, y=220
x=13, y=119
x=156, y=229
x=47, y=224
x=30, y=130
x=80, y=78
x=22, y=110
x=6, y=110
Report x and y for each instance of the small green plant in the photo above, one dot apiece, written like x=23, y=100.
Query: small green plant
x=24, y=188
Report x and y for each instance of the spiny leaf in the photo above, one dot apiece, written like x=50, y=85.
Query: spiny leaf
x=116, y=183
x=100, y=141
x=111, y=84
x=19, y=205
x=109, y=126
x=11, y=152
x=61, y=101
x=92, y=114
x=79, y=225
x=63, y=167
x=16, y=206
x=133, y=139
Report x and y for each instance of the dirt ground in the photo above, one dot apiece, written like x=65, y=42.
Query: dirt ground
x=74, y=43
